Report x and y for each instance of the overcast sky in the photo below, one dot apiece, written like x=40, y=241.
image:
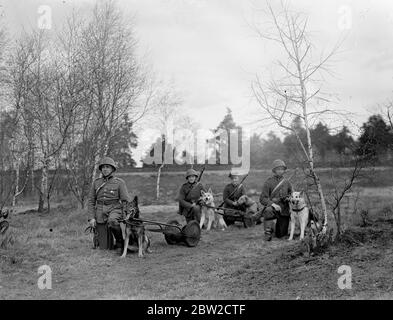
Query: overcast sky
x=211, y=54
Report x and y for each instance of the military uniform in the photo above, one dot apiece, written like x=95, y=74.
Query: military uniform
x=105, y=206
x=279, y=197
x=229, y=200
x=189, y=194
x=105, y=199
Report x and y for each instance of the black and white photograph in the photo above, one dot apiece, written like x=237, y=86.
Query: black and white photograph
x=196, y=151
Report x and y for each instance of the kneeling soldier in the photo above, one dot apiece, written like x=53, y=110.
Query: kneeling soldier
x=105, y=205
x=188, y=197
x=232, y=193
x=275, y=191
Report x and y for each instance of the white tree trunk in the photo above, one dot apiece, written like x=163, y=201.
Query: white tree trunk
x=17, y=177
x=317, y=181
x=158, y=181
x=43, y=186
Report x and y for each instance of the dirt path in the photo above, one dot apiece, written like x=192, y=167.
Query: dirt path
x=234, y=264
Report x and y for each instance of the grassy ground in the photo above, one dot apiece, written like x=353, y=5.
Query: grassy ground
x=144, y=184
x=230, y=264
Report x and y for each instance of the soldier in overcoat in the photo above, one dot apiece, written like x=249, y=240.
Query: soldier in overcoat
x=232, y=192
x=274, y=197
x=189, y=195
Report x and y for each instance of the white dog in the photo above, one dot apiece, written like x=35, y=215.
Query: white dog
x=213, y=219
x=300, y=212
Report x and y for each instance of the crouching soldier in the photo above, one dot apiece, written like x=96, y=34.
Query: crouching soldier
x=275, y=193
x=232, y=193
x=105, y=205
x=189, y=195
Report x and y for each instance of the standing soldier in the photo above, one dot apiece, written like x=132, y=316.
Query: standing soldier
x=188, y=197
x=105, y=205
x=232, y=193
x=275, y=193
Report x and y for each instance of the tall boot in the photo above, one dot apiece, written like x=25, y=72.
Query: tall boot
x=268, y=226
x=116, y=231
x=282, y=226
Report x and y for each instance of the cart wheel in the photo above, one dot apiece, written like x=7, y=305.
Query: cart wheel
x=248, y=221
x=4, y=226
x=191, y=233
x=171, y=234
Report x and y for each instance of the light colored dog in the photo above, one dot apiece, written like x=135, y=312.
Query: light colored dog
x=299, y=212
x=208, y=214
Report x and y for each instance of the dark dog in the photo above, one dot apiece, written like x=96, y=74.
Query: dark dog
x=134, y=229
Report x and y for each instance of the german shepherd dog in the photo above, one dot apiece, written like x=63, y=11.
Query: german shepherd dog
x=134, y=230
x=213, y=219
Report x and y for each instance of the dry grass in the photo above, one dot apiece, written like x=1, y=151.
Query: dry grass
x=233, y=264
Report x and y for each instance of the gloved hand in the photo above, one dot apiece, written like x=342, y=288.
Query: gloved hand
x=235, y=204
x=276, y=207
x=92, y=222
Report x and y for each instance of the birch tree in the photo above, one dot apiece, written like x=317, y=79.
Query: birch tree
x=166, y=111
x=111, y=84
x=115, y=79
x=296, y=89
x=45, y=112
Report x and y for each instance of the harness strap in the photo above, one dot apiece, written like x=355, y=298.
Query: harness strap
x=277, y=187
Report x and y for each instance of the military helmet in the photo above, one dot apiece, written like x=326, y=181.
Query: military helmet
x=109, y=161
x=234, y=172
x=278, y=163
x=191, y=172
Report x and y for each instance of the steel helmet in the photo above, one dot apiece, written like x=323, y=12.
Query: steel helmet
x=278, y=163
x=191, y=172
x=234, y=172
x=108, y=161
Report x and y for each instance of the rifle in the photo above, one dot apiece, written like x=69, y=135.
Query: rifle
x=233, y=192
x=278, y=187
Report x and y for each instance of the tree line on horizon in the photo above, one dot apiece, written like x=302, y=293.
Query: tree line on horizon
x=337, y=148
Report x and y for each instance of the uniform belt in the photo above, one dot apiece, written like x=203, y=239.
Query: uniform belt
x=107, y=202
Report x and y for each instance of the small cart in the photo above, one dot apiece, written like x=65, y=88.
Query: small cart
x=174, y=232
x=233, y=215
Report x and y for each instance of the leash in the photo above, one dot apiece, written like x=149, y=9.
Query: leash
x=216, y=209
x=90, y=229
